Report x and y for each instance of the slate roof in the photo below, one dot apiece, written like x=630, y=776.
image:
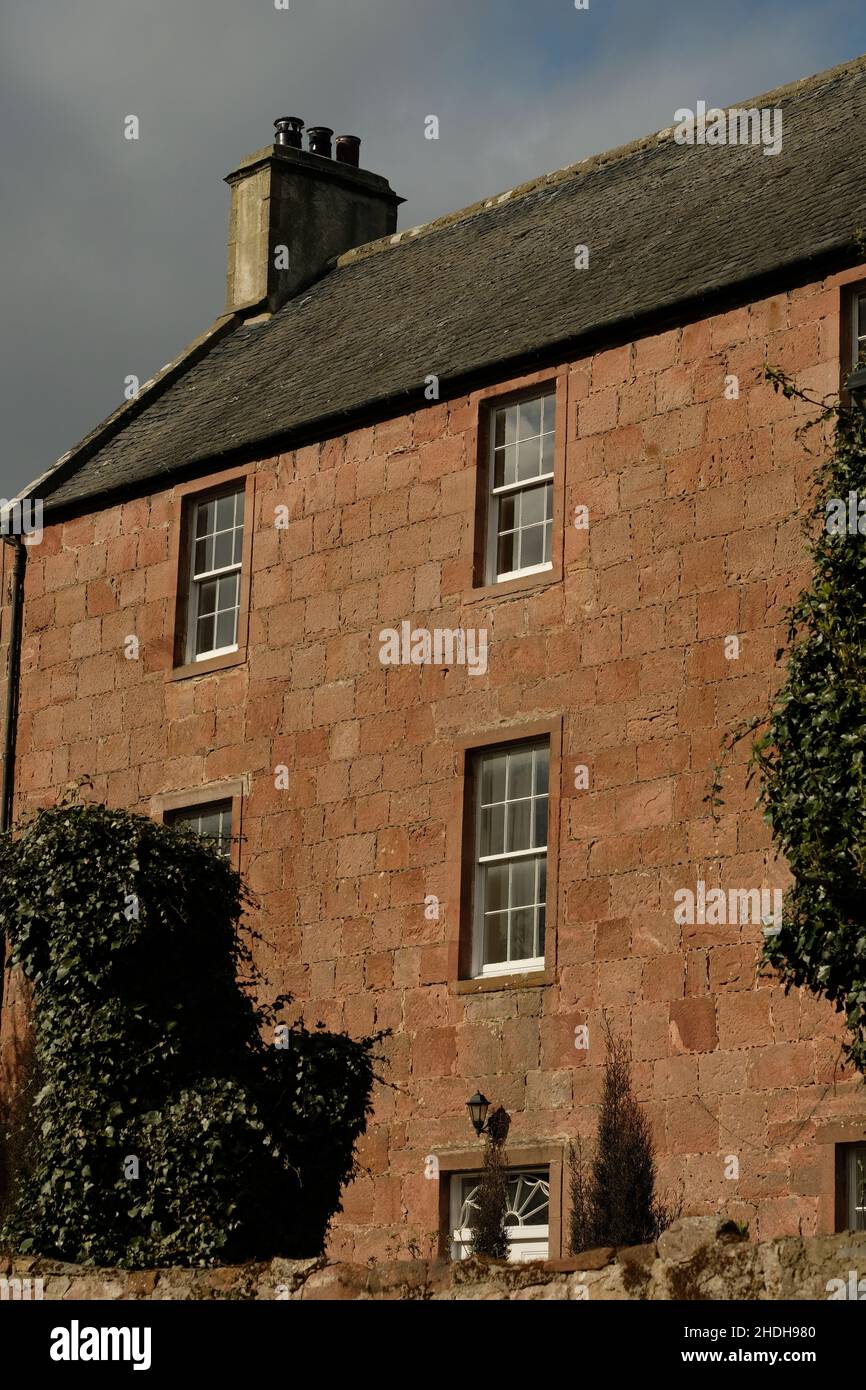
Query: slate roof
x=667, y=224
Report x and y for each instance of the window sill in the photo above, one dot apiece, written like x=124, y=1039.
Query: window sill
x=203, y=668
x=522, y=584
x=530, y=979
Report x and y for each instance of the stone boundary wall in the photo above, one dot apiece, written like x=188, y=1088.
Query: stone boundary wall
x=698, y=1258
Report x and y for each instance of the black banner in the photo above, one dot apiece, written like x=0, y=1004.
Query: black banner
x=231, y=1337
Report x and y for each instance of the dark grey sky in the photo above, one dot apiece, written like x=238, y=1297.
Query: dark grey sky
x=113, y=251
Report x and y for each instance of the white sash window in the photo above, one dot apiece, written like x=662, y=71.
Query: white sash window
x=216, y=552
x=511, y=859
x=520, y=512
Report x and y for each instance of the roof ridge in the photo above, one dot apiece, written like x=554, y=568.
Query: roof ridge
x=581, y=167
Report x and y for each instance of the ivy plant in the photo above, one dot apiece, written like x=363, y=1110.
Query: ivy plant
x=810, y=745
x=176, y=1121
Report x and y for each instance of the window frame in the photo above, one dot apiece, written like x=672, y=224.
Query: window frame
x=167, y=804
x=484, y=403
x=196, y=581
x=461, y=871
x=523, y=1155
x=461, y=1236
x=519, y=965
x=496, y=494
x=183, y=813
x=186, y=498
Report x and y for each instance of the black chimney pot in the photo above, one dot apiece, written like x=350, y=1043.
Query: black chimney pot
x=349, y=150
x=289, y=131
x=320, y=140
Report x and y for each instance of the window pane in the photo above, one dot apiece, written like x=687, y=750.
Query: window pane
x=204, y=518
x=239, y=546
x=520, y=774
x=507, y=510
x=203, y=555
x=532, y=506
x=528, y=1198
x=493, y=830
x=207, y=596
x=505, y=426
x=505, y=466
x=539, y=835
x=223, y=550
x=204, y=635
x=522, y=934
x=532, y=547
x=495, y=938
x=228, y=591
x=496, y=895
x=493, y=778
x=541, y=761
x=518, y=825
x=226, y=628
x=523, y=883
x=528, y=460
x=208, y=823
x=506, y=552
x=547, y=453
x=239, y=507
x=530, y=418
x=225, y=513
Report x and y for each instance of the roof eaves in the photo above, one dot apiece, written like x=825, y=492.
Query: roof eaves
x=833, y=254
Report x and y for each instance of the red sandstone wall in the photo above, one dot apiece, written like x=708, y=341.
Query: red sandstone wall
x=7, y=565
x=693, y=536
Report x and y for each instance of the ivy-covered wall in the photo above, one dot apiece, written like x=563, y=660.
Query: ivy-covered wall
x=171, y=1115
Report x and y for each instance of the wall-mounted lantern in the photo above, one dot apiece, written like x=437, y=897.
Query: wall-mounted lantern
x=478, y=1107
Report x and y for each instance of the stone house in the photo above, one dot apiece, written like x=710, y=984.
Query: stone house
x=429, y=579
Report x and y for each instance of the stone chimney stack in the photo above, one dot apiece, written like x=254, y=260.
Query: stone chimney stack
x=293, y=211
